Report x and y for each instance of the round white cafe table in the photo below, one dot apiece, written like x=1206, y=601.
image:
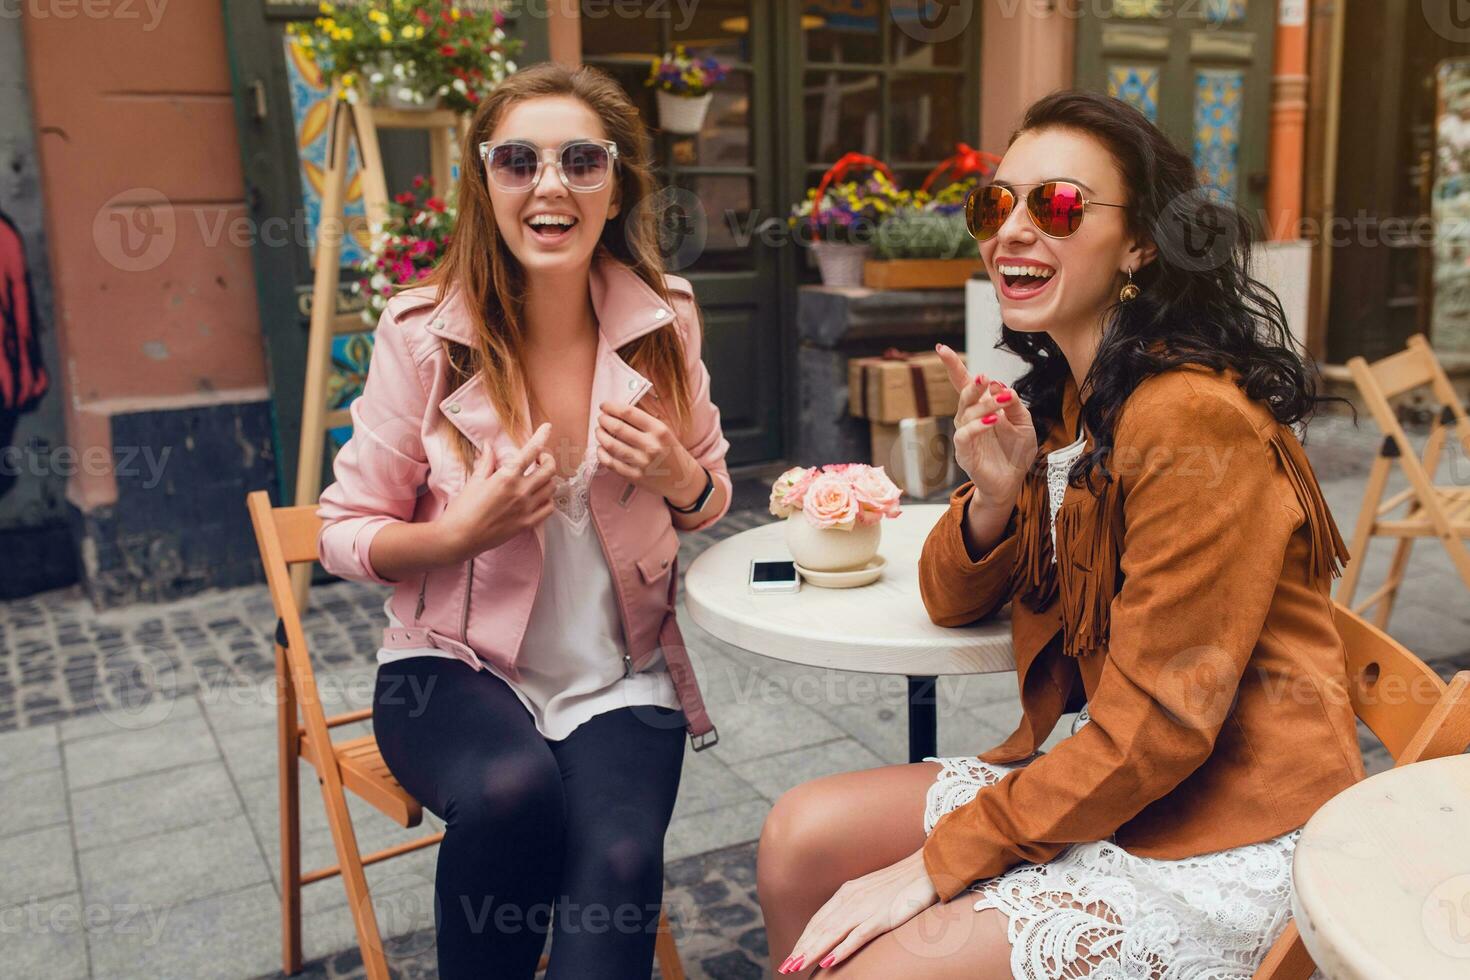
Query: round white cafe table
x=1381, y=877
x=880, y=628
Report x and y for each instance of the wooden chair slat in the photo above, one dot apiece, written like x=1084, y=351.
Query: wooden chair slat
x=297, y=528
x=1401, y=372
x=1392, y=690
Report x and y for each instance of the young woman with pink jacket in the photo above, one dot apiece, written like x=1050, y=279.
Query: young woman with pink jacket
x=535, y=428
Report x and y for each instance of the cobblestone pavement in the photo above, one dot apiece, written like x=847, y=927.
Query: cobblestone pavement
x=138, y=770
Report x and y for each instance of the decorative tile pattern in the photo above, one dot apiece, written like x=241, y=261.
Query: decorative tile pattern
x=350, y=356
x=1218, y=102
x=311, y=110
x=1224, y=11
x=1138, y=85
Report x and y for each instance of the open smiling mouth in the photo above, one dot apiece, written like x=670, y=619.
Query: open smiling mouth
x=551, y=227
x=1022, y=281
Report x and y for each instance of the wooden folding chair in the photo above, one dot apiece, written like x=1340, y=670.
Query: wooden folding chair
x=287, y=536
x=1411, y=711
x=1431, y=511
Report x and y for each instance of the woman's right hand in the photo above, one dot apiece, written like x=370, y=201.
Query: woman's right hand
x=495, y=506
x=994, y=440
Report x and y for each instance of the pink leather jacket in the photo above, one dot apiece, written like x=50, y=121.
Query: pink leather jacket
x=400, y=465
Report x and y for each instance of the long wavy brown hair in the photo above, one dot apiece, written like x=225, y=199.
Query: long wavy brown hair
x=478, y=260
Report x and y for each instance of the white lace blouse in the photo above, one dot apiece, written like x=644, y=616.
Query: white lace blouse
x=571, y=661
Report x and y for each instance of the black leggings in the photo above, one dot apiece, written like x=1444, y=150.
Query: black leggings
x=575, y=825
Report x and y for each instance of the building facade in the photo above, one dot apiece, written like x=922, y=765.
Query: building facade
x=165, y=183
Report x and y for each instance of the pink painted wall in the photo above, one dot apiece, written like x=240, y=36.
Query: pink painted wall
x=143, y=195
x=1026, y=52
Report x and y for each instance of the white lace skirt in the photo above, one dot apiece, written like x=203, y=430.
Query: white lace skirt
x=1098, y=912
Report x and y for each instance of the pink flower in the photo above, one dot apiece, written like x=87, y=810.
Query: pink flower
x=829, y=502
x=789, y=490
x=876, y=494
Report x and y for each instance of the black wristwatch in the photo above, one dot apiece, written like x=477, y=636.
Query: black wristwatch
x=704, y=495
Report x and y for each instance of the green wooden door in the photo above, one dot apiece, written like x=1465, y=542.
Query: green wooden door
x=720, y=184
x=280, y=104
x=810, y=81
x=1200, y=69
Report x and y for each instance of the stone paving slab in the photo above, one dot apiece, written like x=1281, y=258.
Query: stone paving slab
x=138, y=769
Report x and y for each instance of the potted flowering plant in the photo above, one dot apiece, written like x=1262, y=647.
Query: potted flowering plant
x=840, y=217
x=833, y=513
x=405, y=247
x=683, y=85
x=410, y=55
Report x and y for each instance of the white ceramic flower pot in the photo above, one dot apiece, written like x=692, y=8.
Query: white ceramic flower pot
x=841, y=264
x=682, y=114
x=825, y=549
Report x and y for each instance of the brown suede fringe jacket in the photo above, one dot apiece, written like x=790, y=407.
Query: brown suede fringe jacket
x=1189, y=605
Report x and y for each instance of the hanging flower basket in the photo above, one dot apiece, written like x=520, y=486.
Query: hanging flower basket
x=682, y=114
x=683, y=85
x=409, y=56
x=394, y=89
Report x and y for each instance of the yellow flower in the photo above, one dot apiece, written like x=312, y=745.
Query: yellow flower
x=385, y=35
x=324, y=7
x=377, y=17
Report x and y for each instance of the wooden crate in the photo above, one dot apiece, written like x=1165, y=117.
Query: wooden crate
x=919, y=273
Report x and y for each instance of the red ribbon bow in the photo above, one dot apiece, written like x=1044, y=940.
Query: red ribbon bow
x=965, y=162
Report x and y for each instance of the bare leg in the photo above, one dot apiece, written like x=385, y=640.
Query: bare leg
x=831, y=830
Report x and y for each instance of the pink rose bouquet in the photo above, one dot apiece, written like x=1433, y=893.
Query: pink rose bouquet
x=838, y=495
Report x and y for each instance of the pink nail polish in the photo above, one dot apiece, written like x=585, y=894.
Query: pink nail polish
x=979, y=379
x=988, y=419
x=827, y=961
x=796, y=962
x=1003, y=397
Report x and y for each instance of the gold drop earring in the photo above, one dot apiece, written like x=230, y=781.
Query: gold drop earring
x=1129, y=292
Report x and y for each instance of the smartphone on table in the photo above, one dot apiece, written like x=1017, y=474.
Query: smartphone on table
x=773, y=577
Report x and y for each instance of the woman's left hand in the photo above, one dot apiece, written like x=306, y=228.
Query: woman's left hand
x=862, y=910
x=641, y=447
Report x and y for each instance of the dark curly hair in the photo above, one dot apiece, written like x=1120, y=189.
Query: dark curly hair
x=1197, y=304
